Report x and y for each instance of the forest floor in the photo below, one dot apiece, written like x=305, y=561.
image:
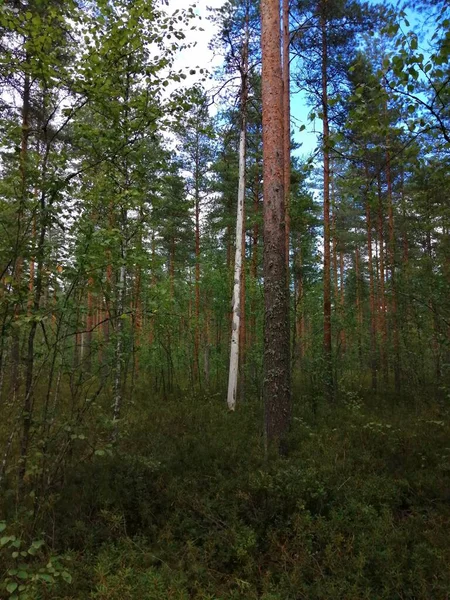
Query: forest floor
x=188, y=507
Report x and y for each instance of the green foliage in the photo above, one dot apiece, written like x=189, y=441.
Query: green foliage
x=30, y=570
x=187, y=507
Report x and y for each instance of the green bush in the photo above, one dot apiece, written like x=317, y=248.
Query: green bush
x=188, y=507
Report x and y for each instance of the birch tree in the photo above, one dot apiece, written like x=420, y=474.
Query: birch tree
x=238, y=295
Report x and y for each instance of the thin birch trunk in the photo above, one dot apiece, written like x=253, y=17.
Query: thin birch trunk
x=18, y=265
x=237, y=299
x=119, y=342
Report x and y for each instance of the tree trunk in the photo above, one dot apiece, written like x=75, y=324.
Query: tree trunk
x=18, y=264
x=299, y=325
x=196, y=365
x=373, y=316
x=382, y=291
x=328, y=367
x=393, y=304
x=276, y=385
x=29, y=376
x=89, y=324
x=287, y=129
x=359, y=314
x=335, y=261
x=342, y=301
x=238, y=296
x=254, y=263
x=243, y=323
x=119, y=334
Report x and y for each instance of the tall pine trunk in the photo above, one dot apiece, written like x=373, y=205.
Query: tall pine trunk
x=391, y=248
x=287, y=129
x=327, y=348
x=373, y=315
x=381, y=284
x=276, y=385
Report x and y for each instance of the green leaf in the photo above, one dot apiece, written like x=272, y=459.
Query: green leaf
x=2, y=526
x=66, y=576
x=12, y=587
x=7, y=538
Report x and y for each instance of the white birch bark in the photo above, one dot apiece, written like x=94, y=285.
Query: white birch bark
x=234, y=351
x=119, y=342
x=236, y=300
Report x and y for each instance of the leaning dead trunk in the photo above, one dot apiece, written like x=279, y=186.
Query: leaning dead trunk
x=237, y=299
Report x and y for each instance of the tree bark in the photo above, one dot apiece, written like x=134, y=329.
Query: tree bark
x=276, y=385
x=373, y=317
x=254, y=263
x=119, y=332
x=18, y=264
x=359, y=314
x=382, y=291
x=238, y=297
x=196, y=365
x=287, y=130
x=343, y=337
x=391, y=249
x=327, y=347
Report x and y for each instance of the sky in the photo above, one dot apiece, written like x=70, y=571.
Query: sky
x=200, y=56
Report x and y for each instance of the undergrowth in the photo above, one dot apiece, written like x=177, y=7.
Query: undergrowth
x=186, y=506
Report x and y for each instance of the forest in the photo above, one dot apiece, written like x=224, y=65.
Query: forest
x=225, y=350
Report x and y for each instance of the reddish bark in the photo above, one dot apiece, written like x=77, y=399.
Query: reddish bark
x=342, y=300
x=381, y=284
x=358, y=304
x=89, y=322
x=391, y=251
x=254, y=263
x=276, y=386
x=373, y=314
x=287, y=128
x=327, y=346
